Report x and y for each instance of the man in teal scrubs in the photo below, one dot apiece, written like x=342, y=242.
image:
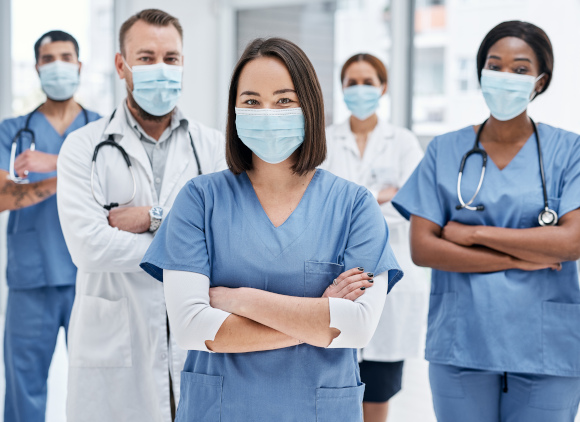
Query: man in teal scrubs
x=40, y=274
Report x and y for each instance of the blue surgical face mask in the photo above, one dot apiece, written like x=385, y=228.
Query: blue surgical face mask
x=273, y=135
x=362, y=100
x=156, y=87
x=507, y=94
x=59, y=80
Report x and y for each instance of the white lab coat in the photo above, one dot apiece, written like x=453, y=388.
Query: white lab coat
x=119, y=354
x=391, y=155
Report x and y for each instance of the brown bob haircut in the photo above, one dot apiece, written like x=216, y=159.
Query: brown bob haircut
x=313, y=151
x=532, y=35
x=152, y=17
x=375, y=62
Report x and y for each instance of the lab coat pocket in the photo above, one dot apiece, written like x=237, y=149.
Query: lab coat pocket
x=561, y=338
x=200, y=398
x=100, y=336
x=442, y=323
x=26, y=269
x=318, y=276
x=339, y=404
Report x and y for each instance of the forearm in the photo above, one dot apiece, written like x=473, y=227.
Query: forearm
x=14, y=196
x=443, y=255
x=241, y=335
x=306, y=319
x=543, y=245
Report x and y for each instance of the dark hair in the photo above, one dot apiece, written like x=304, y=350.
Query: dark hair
x=151, y=16
x=313, y=151
x=375, y=62
x=54, y=36
x=532, y=35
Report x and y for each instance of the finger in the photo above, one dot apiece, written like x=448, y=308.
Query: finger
x=354, y=279
x=349, y=273
x=353, y=287
x=355, y=294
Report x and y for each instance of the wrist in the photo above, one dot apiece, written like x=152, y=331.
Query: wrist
x=477, y=235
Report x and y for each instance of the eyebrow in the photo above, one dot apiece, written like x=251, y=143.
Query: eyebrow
x=518, y=59
x=283, y=91
x=250, y=93
x=144, y=51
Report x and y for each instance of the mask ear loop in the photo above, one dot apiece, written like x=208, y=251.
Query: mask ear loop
x=535, y=93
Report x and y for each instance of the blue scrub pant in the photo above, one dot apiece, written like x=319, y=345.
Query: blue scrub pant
x=33, y=319
x=463, y=394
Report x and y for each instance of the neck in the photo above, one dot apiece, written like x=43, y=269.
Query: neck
x=510, y=131
x=153, y=128
x=275, y=177
x=363, y=126
x=60, y=109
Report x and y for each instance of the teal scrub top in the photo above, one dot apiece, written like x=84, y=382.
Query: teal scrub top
x=514, y=321
x=217, y=227
x=37, y=252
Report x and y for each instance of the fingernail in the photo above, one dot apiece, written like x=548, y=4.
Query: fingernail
x=360, y=268
x=371, y=281
x=363, y=288
x=370, y=274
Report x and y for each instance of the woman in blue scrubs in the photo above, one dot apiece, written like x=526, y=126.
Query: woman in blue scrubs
x=503, y=338
x=275, y=336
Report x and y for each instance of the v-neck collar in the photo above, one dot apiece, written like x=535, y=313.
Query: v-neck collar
x=67, y=130
x=283, y=236
x=515, y=157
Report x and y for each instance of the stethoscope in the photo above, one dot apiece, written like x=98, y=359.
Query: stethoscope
x=111, y=142
x=547, y=216
x=26, y=129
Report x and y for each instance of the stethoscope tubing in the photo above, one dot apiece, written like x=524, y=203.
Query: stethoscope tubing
x=110, y=141
x=26, y=129
x=550, y=215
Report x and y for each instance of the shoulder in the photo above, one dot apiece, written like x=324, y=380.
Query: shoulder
x=556, y=136
x=212, y=184
x=13, y=124
x=205, y=133
x=337, y=129
x=339, y=189
x=93, y=115
x=85, y=138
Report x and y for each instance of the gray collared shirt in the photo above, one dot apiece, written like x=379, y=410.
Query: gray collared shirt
x=157, y=150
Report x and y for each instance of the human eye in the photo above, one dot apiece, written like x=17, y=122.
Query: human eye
x=171, y=60
x=251, y=102
x=144, y=59
x=285, y=101
x=492, y=66
x=522, y=70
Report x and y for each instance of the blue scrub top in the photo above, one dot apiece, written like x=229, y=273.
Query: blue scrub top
x=515, y=321
x=37, y=252
x=217, y=227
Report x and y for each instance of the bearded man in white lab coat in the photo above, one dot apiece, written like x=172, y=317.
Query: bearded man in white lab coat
x=123, y=362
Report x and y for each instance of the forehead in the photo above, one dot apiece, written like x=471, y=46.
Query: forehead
x=512, y=47
x=56, y=48
x=152, y=37
x=266, y=74
x=360, y=69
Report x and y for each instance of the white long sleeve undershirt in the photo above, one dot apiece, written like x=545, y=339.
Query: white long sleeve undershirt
x=193, y=321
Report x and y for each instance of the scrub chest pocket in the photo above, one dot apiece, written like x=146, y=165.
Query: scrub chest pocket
x=318, y=276
x=201, y=398
x=339, y=404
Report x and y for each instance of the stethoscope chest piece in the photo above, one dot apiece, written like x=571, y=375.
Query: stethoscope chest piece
x=548, y=217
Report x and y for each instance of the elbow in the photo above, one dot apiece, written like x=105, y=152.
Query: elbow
x=420, y=257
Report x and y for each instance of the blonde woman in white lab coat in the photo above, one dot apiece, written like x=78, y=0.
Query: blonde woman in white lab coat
x=371, y=152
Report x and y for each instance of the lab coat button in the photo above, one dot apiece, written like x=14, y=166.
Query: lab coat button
x=163, y=356
x=158, y=180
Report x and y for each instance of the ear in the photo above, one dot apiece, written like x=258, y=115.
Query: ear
x=385, y=86
x=541, y=83
x=120, y=66
x=80, y=66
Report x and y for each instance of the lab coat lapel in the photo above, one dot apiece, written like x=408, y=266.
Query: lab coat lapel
x=129, y=141
x=346, y=140
x=377, y=142
x=178, y=160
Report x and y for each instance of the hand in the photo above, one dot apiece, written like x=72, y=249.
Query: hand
x=130, y=219
x=222, y=298
x=350, y=284
x=34, y=161
x=460, y=234
x=533, y=266
x=386, y=194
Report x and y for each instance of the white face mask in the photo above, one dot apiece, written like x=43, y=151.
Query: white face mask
x=507, y=94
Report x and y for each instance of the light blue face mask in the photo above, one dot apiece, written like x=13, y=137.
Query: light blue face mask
x=507, y=94
x=362, y=100
x=156, y=87
x=59, y=80
x=271, y=134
